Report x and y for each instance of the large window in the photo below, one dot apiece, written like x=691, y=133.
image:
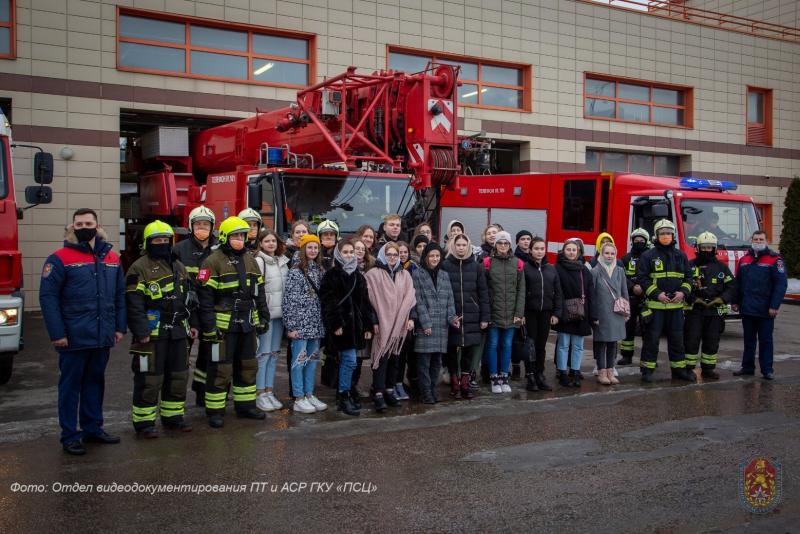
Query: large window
x=578, y=213
x=636, y=163
x=759, y=116
x=485, y=83
x=199, y=48
x=8, y=44
x=624, y=100
x=732, y=222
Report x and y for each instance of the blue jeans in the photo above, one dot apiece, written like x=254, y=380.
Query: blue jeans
x=565, y=341
x=269, y=347
x=81, y=385
x=347, y=364
x=757, y=330
x=503, y=336
x=305, y=356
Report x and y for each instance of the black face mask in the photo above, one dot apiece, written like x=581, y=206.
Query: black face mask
x=705, y=256
x=638, y=248
x=161, y=251
x=84, y=235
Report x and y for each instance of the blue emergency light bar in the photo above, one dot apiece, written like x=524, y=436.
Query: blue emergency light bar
x=702, y=183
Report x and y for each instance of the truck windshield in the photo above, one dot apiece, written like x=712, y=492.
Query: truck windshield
x=732, y=222
x=350, y=200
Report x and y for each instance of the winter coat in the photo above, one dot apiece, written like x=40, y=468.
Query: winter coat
x=713, y=288
x=664, y=269
x=302, y=311
x=82, y=294
x=275, y=270
x=569, y=275
x=345, y=305
x=506, y=289
x=761, y=283
x=542, y=287
x=611, y=325
x=435, y=309
x=471, y=297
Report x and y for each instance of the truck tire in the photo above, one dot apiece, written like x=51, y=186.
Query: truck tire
x=6, y=366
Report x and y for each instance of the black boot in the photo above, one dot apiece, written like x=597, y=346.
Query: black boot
x=345, y=404
x=251, y=413
x=380, y=402
x=178, y=424
x=455, y=387
x=541, y=383
x=199, y=399
x=684, y=374
x=625, y=359
x=647, y=375
x=216, y=421
x=709, y=374
x=466, y=392
x=563, y=378
x=355, y=398
x=576, y=378
x=515, y=372
x=390, y=398
x=531, y=383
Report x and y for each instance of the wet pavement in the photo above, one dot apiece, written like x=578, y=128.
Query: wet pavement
x=630, y=458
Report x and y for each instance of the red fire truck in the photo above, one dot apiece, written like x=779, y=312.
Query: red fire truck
x=562, y=206
x=11, y=298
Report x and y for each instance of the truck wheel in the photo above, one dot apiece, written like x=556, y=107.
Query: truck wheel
x=6, y=365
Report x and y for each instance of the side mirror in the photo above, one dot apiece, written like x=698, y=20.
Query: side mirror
x=254, y=193
x=38, y=194
x=43, y=168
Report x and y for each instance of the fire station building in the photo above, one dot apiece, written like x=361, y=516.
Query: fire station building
x=707, y=88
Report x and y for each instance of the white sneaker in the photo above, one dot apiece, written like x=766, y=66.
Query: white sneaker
x=615, y=371
x=303, y=406
x=263, y=403
x=496, y=387
x=594, y=371
x=316, y=403
x=505, y=387
x=276, y=404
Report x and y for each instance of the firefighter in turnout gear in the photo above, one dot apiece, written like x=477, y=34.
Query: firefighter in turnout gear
x=160, y=299
x=192, y=252
x=233, y=310
x=666, y=277
x=639, y=243
x=254, y=221
x=712, y=290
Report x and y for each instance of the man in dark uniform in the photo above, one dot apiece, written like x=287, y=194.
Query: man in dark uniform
x=233, y=310
x=639, y=244
x=665, y=274
x=160, y=299
x=713, y=289
x=192, y=252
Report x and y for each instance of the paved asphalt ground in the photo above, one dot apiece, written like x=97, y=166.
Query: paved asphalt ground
x=661, y=458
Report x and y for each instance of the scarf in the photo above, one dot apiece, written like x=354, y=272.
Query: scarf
x=382, y=259
x=609, y=268
x=392, y=301
x=350, y=265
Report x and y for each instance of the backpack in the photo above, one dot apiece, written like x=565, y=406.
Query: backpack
x=487, y=263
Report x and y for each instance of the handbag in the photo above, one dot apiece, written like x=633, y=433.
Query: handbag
x=522, y=348
x=574, y=308
x=621, y=304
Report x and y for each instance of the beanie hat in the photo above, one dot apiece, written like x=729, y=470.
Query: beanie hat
x=523, y=233
x=503, y=236
x=420, y=239
x=306, y=239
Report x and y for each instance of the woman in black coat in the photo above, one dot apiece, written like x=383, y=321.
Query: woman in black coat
x=576, y=286
x=471, y=294
x=348, y=317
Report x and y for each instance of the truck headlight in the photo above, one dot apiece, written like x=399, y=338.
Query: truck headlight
x=8, y=316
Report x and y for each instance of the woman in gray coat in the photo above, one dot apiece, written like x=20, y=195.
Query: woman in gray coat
x=435, y=310
x=608, y=327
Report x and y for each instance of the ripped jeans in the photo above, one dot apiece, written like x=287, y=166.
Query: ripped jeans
x=269, y=347
x=305, y=356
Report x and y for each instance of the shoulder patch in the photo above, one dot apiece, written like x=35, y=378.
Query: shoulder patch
x=47, y=269
x=203, y=275
x=781, y=267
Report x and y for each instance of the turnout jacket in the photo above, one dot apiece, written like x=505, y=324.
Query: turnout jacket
x=82, y=294
x=664, y=270
x=160, y=298
x=231, y=293
x=713, y=287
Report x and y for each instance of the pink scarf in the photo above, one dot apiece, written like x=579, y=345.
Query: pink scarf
x=393, y=301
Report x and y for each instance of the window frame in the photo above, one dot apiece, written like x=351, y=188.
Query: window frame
x=188, y=48
x=601, y=154
x=524, y=68
x=687, y=107
x=764, y=210
x=767, y=125
x=12, y=26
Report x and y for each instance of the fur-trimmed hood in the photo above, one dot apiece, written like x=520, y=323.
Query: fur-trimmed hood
x=70, y=237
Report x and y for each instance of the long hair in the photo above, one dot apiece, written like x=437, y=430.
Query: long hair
x=304, y=261
x=369, y=259
x=363, y=228
x=281, y=248
x=298, y=222
x=493, y=225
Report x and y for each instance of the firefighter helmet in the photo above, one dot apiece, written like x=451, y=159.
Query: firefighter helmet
x=640, y=232
x=230, y=226
x=328, y=226
x=157, y=229
x=249, y=214
x=201, y=213
x=706, y=238
x=664, y=224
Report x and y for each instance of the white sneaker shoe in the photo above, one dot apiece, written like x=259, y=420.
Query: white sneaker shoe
x=505, y=387
x=263, y=403
x=303, y=406
x=276, y=404
x=316, y=403
x=594, y=371
x=615, y=371
x=496, y=387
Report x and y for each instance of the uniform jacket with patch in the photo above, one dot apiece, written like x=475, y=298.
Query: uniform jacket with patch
x=761, y=283
x=156, y=297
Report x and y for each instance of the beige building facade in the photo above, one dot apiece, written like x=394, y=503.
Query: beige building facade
x=573, y=84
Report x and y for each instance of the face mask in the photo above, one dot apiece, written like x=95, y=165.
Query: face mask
x=638, y=247
x=201, y=234
x=759, y=247
x=236, y=245
x=162, y=251
x=665, y=239
x=706, y=256
x=85, y=235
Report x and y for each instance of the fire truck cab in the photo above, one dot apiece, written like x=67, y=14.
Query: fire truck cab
x=567, y=205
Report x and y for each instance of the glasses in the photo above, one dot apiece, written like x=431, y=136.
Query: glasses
x=392, y=255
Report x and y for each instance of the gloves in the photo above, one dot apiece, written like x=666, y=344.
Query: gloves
x=262, y=328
